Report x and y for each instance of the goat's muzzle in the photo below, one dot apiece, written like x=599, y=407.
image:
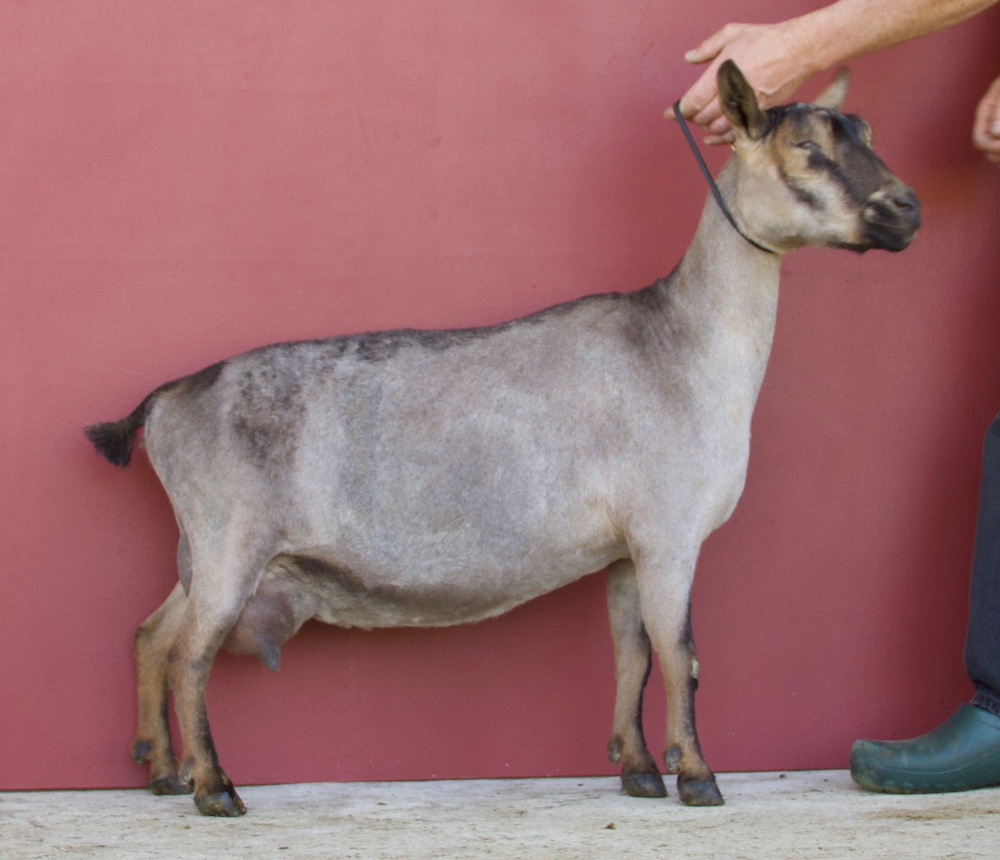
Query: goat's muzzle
x=891, y=218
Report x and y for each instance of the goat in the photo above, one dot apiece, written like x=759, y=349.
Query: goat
x=425, y=478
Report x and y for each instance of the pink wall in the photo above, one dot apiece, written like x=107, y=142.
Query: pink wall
x=184, y=180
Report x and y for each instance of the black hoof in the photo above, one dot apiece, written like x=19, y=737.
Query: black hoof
x=172, y=784
x=700, y=793
x=226, y=804
x=643, y=785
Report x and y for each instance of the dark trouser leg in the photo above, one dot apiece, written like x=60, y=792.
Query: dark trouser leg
x=982, y=641
x=964, y=751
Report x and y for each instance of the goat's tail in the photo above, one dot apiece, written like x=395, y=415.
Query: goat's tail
x=115, y=439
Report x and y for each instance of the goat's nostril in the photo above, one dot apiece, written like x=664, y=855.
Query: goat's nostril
x=893, y=208
x=907, y=203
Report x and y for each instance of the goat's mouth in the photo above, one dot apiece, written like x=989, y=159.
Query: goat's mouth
x=891, y=222
x=888, y=237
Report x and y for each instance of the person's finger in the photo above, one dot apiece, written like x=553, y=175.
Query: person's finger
x=717, y=139
x=713, y=45
x=699, y=96
x=719, y=126
x=711, y=116
x=986, y=124
x=986, y=135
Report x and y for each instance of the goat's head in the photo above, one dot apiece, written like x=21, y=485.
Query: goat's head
x=807, y=174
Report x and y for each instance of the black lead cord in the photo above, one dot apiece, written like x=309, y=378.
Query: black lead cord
x=711, y=182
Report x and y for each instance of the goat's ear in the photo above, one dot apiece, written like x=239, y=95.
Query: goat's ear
x=739, y=103
x=833, y=95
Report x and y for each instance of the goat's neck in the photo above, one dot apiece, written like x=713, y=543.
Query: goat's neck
x=726, y=290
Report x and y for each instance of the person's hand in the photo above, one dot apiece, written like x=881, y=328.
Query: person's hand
x=767, y=56
x=986, y=127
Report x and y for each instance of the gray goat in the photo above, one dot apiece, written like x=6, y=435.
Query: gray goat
x=424, y=478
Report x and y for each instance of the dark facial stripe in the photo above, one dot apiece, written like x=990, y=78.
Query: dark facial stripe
x=858, y=170
x=802, y=194
x=855, y=168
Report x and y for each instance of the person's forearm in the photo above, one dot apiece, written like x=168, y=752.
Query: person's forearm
x=834, y=34
x=777, y=58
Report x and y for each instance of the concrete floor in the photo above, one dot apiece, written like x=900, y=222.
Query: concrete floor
x=767, y=815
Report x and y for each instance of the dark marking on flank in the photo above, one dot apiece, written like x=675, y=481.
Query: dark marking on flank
x=267, y=413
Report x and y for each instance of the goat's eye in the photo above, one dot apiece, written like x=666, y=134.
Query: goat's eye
x=806, y=144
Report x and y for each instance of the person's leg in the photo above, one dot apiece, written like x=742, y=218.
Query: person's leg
x=964, y=751
x=982, y=641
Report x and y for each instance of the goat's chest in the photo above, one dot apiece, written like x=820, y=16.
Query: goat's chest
x=726, y=447
x=698, y=465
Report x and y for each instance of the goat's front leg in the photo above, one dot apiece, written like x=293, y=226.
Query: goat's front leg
x=664, y=583
x=633, y=659
x=153, y=641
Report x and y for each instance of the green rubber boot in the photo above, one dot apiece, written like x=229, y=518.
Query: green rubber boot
x=960, y=754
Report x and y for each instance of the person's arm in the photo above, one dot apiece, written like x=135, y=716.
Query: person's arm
x=777, y=58
x=986, y=128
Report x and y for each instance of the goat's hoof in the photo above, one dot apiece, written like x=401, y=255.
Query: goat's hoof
x=643, y=785
x=700, y=793
x=225, y=804
x=170, y=784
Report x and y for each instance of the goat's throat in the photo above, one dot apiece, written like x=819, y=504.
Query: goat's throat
x=727, y=290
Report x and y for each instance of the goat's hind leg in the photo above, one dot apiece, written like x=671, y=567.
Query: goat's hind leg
x=153, y=641
x=218, y=594
x=633, y=659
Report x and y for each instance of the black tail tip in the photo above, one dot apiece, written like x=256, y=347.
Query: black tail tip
x=113, y=440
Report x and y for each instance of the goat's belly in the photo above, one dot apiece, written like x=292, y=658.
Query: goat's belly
x=338, y=593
